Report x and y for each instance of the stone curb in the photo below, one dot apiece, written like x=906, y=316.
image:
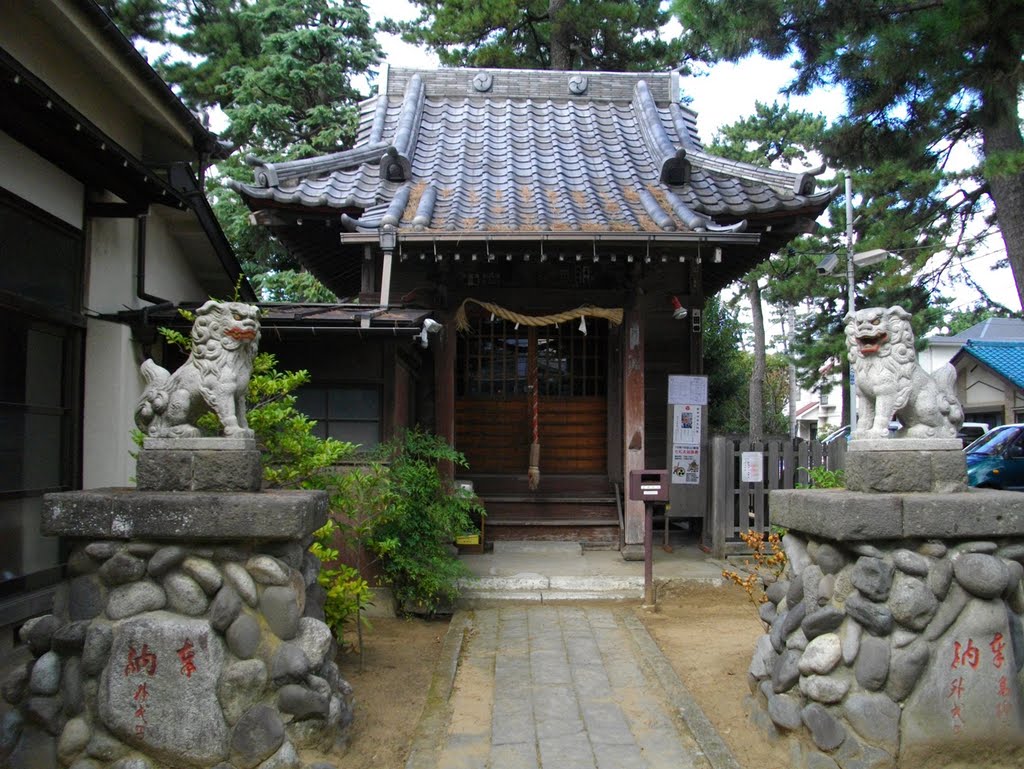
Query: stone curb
x=432, y=726
x=707, y=737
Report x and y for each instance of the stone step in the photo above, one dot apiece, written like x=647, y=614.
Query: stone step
x=538, y=546
x=478, y=592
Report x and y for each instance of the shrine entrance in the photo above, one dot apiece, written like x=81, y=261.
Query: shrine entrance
x=522, y=385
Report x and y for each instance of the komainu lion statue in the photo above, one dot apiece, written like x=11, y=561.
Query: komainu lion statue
x=225, y=337
x=890, y=382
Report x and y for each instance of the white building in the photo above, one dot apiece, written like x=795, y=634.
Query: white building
x=101, y=216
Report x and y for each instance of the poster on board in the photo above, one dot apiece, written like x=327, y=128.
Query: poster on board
x=686, y=423
x=688, y=389
x=686, y=464
x=752, y=467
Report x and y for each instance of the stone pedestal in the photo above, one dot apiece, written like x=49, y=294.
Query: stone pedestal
x=199, y=464
x=189, y=633
x=906, y=465
x=896, y=634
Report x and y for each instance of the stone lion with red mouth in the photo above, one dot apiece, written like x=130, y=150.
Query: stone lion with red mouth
x=890, y=382
x=225, y=337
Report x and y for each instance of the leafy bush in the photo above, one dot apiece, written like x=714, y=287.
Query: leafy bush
x=413, y=535
x=822, y=478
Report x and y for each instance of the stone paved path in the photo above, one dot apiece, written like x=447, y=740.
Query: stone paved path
x=560, y=687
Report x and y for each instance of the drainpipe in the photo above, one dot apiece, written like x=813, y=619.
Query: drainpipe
x=140, y=264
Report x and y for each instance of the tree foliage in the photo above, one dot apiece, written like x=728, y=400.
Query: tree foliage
x=285, y=73
x=613, y=35
x=922, y=80
x=887, y=207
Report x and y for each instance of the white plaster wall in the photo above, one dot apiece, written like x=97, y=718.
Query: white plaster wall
x=983, y=389
x=168, y=271
x=112, y=387
x=936, y=355
x=113, y=265
x=41, y=183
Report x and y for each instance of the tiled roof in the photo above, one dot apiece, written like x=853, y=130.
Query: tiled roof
x=1005, y=358
x=991, y=329
x=518, y=150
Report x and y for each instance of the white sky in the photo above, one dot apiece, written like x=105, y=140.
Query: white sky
x=724, y=95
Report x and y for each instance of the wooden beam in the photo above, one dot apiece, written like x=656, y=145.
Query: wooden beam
x=633, y=422
x=444, y=387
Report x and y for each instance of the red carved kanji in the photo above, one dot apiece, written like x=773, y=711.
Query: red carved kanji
x=142, y=693
x=140, y=661
x=1004, y=687
x=956, y=688
x=997, y=646
x=965, y=655
x=187, y=654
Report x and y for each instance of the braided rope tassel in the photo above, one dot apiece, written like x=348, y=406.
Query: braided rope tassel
x=533, y=473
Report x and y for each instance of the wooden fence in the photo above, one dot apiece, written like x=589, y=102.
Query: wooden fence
x=737, y=506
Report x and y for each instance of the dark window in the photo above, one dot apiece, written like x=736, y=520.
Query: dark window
x=37, y=427
x=41, y=256
x=345, y=413
x=494, y=359
x=40, y=385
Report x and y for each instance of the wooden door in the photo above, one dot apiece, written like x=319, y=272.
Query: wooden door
x=497, y=367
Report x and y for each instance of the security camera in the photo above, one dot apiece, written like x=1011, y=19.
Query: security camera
x=828, y=265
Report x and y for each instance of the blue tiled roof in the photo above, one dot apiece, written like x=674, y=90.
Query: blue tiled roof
x=1005, y=358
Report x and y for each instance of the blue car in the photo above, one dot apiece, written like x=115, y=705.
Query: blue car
x=996, y=459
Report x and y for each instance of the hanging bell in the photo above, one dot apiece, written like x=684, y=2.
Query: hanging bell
x=583, y=325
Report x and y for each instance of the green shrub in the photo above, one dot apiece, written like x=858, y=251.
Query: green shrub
x=413, y=536
x=821, y=478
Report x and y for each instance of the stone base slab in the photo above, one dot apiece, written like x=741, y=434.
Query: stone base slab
x=184, y=469
x=904, y=444
x=842, y=515
x=124, y=513
x=216, y=443
x=894, y=471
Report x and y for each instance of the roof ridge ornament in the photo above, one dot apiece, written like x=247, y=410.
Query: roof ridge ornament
x=674, y=167
x=482, y=82
x=578, y=84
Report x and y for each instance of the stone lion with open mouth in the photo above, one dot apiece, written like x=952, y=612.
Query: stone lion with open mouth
x=892, y=385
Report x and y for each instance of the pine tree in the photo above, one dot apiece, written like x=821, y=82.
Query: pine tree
x=611, y=35
x=775, y=135
x=284, y=74
x=921, y=80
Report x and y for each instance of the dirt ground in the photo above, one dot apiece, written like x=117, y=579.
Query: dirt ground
x=708, y=634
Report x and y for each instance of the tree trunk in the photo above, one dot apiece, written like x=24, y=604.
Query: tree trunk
x=561, y=36
x=756, y=398
x=794, y=391
x=1002, y=135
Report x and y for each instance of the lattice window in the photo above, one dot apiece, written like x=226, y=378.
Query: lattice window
x=495, y=359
